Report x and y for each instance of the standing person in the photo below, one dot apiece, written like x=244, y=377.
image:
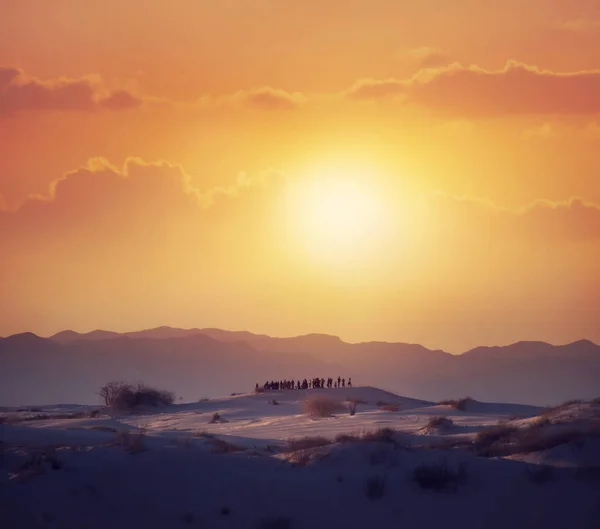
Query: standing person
x=349, y=382
x=339, y=382
x=322, y=382
x=343, y=382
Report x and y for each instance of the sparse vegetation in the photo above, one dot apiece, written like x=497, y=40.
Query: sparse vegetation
x=389, y=407
x=458, y=404
x=321, y=406
x=220, y=446
x=273, y=402
x=122, y=396
x=439, y=423
x=382, y=435
x=347, y=438
x=440, y=476
x=375, y=487
x=133, y=442
x=305, y=443
x=216, y=418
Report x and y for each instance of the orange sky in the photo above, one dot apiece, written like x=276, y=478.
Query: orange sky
x=378, y=169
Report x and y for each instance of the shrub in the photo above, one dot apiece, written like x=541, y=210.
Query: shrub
x=273, y=402
x=458, y=404
x=382, y=435
x=305, y=443
x=123, y=396
x=389, y=407
x=439, y=423
x=346, y=438
x=216, y=418
x=375, y=487
x=133, y=442
x=221, y=446
x=321, y=406
x=440, y=476
x=275, y=523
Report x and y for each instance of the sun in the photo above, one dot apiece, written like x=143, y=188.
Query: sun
x=338, y=217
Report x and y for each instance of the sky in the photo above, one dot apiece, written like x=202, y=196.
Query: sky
x=418, y=171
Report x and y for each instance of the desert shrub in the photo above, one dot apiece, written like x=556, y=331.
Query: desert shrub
x=439, y=422
x=133, y=442
x=275, y=523
x=321, y=406
x=300, y=458
x=346, y=438
x=306, y=443
x=375, y=487
x=382, y=435
x=540, y=474
x=389, y=407
x=220, y=446
x=458, y=404
x=273, y=402
x=202, y=433
x=440, y=476
x=216, y=418
x=123, y=396
x=108, y=429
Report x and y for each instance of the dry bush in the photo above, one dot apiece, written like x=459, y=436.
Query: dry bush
x=123, y=396
x=382, y=435
x=347, y=438
x=440, y=423
x=133, y=442
x=389, y=407
x=457, y=404
x=504, y=440
x=375, y=487
x=275, y=523
x=300, y=458
x=204, y=434
x=108, y=429
x=273, y=402
x=306, y=443
x=221, y=446
x=321, y=406
x=440, y=476
x=216, y=418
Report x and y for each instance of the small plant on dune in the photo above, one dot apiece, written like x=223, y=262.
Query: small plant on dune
x=202, y=433
x=216, y=418
x=273, y=402
x=321, y=406
x=375, y=487
x=220, y=446
x=440, y=476
x=122, y=396
x=275, y=523
x=382, y=435
x=133, y=442
x=457, y=404
x=347, y=438
x=439, y=423
x=306, y=443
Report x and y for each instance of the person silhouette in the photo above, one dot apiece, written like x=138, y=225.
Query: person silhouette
x=349, y=382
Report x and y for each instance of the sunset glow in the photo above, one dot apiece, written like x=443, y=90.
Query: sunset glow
x=415, y=171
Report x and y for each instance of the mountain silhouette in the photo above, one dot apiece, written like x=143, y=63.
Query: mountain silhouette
x=71, y=366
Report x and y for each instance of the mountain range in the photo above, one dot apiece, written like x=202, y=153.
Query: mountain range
x=196, y=363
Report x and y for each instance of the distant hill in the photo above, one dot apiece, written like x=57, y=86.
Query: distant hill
x=70, y=366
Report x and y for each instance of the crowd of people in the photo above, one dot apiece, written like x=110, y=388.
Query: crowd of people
x=314, y=383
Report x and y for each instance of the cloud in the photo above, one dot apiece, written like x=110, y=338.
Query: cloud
x=427, y=57
x=19, y=93
x=541, y=221
x=267, y=98
x=516, y=89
